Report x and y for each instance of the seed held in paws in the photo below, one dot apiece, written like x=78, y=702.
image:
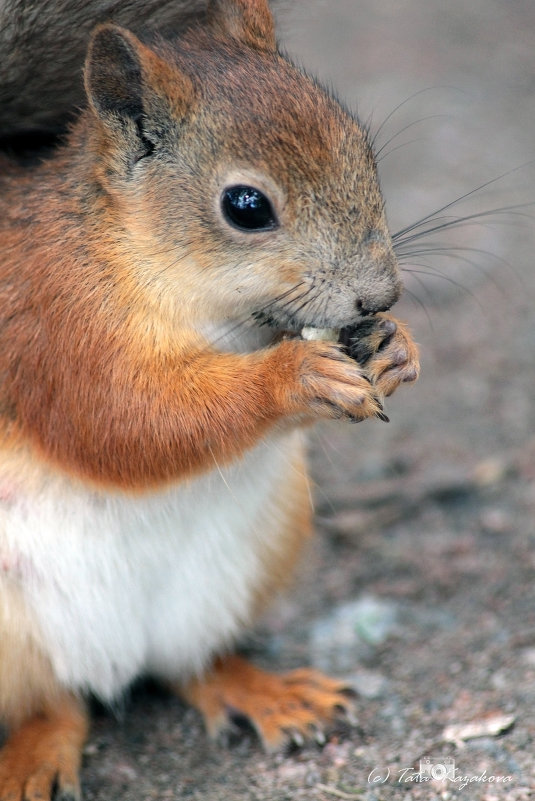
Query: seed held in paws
x=320, y=334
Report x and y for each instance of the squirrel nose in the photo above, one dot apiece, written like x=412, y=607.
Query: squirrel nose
x=379, y=302
x=364, y=311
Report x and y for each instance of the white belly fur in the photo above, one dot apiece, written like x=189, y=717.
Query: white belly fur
x=125, y=585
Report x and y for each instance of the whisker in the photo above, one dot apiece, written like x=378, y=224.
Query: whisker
x=282, y=296
x=284, y=306
x=398, y=147
x=456, y=222
x=308, y=302
x=403, y=103
x=248, y=319
x=456, y=254
x=406, y=128
x=452, y=203
x=416, y=277
x=419, y=302
x=434, y=273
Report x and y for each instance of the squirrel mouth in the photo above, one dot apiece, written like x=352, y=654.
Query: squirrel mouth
x=307, y=332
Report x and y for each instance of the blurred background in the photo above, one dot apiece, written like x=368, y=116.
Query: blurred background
x=450, y=89
x=419, y=586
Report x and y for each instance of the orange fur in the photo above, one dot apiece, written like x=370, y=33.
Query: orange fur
x=295, y=514
x=45, y=752
x=27, y=683
x=297, y=704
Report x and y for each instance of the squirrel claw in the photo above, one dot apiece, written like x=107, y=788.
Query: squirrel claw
x=318, y=735
x=296, y=737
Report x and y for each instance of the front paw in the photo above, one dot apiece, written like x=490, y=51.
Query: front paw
x=385, y=350
x=325, y=382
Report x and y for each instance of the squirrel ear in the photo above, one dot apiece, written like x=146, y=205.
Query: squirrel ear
x=113, y=77
x=249, y=21
x=125, y=80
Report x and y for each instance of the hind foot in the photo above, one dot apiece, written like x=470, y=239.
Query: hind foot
x=41, y=760
x=294, y=707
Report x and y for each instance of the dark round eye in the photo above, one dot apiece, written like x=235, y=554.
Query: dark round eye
x=248, y=209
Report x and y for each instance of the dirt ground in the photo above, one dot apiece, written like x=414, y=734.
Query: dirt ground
x=419, y=586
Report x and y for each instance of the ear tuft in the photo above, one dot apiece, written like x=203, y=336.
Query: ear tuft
x=248, y=21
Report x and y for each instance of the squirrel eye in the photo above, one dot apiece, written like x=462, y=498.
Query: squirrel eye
x=248, y=209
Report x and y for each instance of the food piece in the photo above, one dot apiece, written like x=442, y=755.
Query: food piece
x=320, y=334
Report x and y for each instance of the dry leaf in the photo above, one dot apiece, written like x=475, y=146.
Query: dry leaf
x=487, y=727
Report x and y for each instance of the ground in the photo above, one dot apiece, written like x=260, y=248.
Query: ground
x=419, y=586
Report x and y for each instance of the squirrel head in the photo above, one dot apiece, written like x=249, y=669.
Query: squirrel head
x=240, y=182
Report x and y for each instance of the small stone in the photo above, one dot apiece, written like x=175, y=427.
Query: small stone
x=368, y=683
x=490, y=471
x=350, y=632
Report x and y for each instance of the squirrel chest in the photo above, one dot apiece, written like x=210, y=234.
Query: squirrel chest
x=121, y=585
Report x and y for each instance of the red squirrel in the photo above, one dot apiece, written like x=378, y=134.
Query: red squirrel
x=168, y=278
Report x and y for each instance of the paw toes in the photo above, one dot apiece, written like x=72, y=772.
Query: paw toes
x=367, y=337
x=284, y=711
x=39, y=786
x=317, y=734
x=40, y=760
x=10, y=791
x=410, y=374
x=387, y=351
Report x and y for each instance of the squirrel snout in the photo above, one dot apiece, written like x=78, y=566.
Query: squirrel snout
x=378, y=282
x=375, y=299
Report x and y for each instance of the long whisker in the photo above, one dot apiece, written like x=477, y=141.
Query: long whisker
x=457, y=222
x=398, y=147
x=434, y=273
x=433, y=214
x=308, y=301
x=248, y=319
x=419, y=302
x=456, y=252
x=403, y=103
x=406, y=128
x=422, y=284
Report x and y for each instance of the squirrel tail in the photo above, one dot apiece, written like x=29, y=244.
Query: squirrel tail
x=42, y=51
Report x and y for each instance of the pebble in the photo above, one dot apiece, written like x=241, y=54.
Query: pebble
x=349, y=632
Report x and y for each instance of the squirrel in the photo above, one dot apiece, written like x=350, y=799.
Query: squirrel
x=158, y=269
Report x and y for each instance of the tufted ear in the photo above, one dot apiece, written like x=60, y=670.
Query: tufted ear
x=249, y=21
x=130, y=87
